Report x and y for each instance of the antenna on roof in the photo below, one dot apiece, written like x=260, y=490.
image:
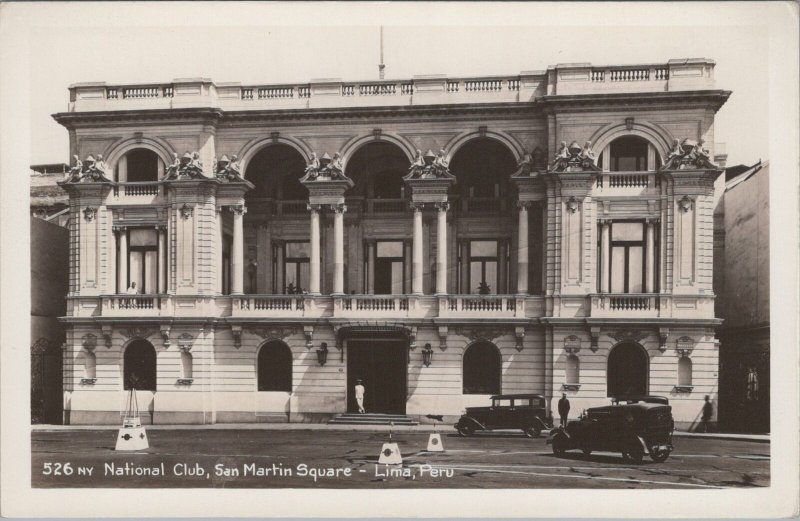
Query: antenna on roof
x=381, y=65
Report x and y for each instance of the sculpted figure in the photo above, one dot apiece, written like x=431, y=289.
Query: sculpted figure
x=312, y=169
x=563, y=151
x=197, y=162
x=100, y=165
x=418, y=161
x=234, y=167
x=675, y=153
x=336, y=167
x=442, y=160
x=524, y=165
x=74, y=173
x=586, y=151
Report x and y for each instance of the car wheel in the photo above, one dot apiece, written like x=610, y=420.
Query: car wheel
x=559, y=445
x=659, y=456
x=532, y=431
x=466, y=430
x=635, y=453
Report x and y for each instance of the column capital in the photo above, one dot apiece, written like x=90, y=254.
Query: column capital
x=238, y=209
x=416, y=206
x=119, y=227
x=314, y=208
x=339, y=208
x=442, y=206
x=604, y=221
x=524, y=205
x=652, y=220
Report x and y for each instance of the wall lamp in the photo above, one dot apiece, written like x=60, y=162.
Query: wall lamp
x=322, y=354
x=427, y=355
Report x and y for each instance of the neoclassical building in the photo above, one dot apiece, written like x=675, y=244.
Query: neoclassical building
x=442, y=239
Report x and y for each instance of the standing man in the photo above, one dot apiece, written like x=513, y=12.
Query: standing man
x=563, y=409
x=132, y=289
x=708, y=412
x=360, y=396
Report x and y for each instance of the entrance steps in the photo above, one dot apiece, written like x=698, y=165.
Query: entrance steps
x=354, y=418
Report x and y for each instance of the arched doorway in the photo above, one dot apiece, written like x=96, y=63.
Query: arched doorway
x=482, y=369
x=139, y=366
x=628, y=370
x=275, y=367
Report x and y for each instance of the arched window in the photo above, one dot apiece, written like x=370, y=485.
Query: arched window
x=482, y=369
x=140, y=165
x=630, y=154
x=628, y=367
x=573, y=370
x=275, y=367
x=276, y=171
x=685, y=371
x=139, y=366
x=483, y=167
x=377, y=169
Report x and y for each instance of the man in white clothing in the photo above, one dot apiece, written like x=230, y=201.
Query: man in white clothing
x=360, y=396
x=132, y=289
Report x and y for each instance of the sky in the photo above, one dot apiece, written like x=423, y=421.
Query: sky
x=474, y=40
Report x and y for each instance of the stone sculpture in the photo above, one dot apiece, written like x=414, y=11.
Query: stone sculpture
x=90, y=170
x=228, y=169
x=430, y=166
x=325, y=168
x=187, y=166
x=688, y=154
x=574, y=158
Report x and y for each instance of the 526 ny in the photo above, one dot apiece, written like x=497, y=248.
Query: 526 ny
x=64, y=469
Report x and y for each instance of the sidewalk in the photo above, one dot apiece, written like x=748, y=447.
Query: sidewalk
x=442, y=428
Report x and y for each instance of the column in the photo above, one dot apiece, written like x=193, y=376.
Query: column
x=162, y=259
x=237, y=250
x=416, y=262
x=220, y=246
x=522, y=252
x=441, y=247
x=650, y=258
x=313, y=284
x=370, y=289
x=605, y=254
x=338, y=248
x=123, y=259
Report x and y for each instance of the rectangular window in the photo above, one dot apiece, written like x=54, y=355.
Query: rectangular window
x=627, y=269
x=483, y=263
x=296, y=267
x=143, y=260
x=389, y=268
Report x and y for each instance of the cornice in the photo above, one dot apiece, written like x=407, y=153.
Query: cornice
x=633, y=101
x=111, y=118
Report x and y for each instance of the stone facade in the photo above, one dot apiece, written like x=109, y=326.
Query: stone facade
x=599, y=263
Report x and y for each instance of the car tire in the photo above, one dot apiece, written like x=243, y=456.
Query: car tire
x=659, y=456
x=635, y=452
x=532, y=431
x=559, y=445
x=466, y=430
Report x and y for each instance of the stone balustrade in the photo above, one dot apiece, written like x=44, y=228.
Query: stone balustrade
x=137, y=189
x=133, y=305
x=627, y=183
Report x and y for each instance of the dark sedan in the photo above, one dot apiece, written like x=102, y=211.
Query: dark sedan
x=508, y=411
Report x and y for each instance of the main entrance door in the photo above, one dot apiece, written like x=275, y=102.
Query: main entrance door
x=381, y=364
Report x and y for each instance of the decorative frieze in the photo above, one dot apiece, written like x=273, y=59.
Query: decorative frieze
x=137, y=332
x=272, y=333
x=630, y=335
x=488, y=334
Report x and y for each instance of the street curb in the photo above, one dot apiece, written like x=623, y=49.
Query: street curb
x=443, y=428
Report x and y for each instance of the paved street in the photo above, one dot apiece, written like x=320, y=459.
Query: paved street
x=348, y=459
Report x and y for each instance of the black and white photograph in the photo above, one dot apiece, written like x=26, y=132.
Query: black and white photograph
x=478, y=256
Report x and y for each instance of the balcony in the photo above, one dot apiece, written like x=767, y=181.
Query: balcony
x=627, y=184
x=482, y=306
x=139, y=193
x=135, y=305
x=279, y=306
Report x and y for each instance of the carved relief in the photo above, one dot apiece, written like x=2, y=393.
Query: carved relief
x=137, y=332
x=685, y=203
x=573, y=204
x=633, y=335
x=324, y=168
x=272, y=333
x=89, y=213
x=688, y=154
x=572, y=344
x=187, y=166
x=186, y=211
x=185, y=342
x=89, y=342
x=481, y=333
x=89, y=170
x=684, y=346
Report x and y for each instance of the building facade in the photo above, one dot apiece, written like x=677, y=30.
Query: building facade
x=744, y=386
x=441, y=239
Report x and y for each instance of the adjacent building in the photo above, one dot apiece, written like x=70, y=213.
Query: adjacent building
x=743, y=301
x=442, y=239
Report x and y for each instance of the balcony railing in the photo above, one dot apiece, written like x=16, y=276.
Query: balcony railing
x=137, y=189
x=272, y=303
x=626, y=304
x=137, y=305
x=627, y=183
x=375, y=303
x=482, y=303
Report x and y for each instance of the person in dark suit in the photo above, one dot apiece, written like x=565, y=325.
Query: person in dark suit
x=563, y=409
x=708, y=412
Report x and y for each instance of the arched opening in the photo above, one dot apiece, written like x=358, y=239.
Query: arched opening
x=482, y=167
x=482, y=369
x=186, y=365
x=275, y=367
x=377, y=169
x=573, y=370
x=139, y=366
x=140, y=165
x=685, y=371
x=630, y=154
x=89, y=365
x=276, y=171
x=628, y=370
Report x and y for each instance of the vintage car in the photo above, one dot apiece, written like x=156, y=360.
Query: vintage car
x=508, y=411
x=634, y=426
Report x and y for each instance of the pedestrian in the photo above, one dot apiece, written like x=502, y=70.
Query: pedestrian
x=708, y=412
x=360, y=396
x=132, y=289
x=563, y=409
